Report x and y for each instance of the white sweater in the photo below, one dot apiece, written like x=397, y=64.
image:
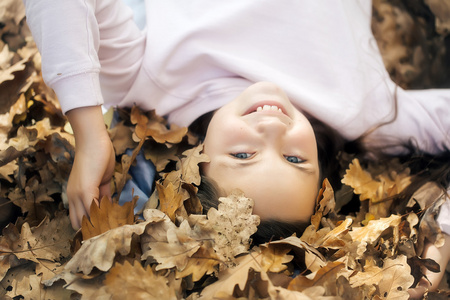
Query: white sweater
x=195, y=56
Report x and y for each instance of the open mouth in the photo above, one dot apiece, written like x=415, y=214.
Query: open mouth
x=267, y=108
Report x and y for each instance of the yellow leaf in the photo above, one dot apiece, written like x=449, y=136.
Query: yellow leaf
x=372, y=232
x=361, y=181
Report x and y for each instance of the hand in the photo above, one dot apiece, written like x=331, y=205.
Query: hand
x=441, y=256
x=94, y=162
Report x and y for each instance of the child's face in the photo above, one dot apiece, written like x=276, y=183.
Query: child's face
x=271, y=155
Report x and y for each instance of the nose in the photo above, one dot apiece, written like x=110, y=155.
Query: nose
x=272, y=128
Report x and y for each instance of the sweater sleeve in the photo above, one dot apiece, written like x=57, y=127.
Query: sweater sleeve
x=85, y=47
x=422, y=119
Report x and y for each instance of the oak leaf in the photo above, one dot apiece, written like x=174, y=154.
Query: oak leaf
x=202, y=262
x=190, y=164
x=12, y=10
x=370, y=276
x=155, y=127
x=49, y=240
x=325, y=277
x=132, y=281
x=274, y=259
x=372, y=232
x=108, y=215
x=397, y=278
x=100, y=251
x=169, y=245
x=121, y=138
x=234, y=223
x=161, y=155
x=337, y=238
x=229, y=278
x=170, y=199
x=10, y=243
x=304, y=253
x=325, y=203
x=379, y=189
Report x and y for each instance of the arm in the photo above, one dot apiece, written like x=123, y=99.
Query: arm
x=89, y=49
x=94, y=162
x=441, y=256
x=422, y=118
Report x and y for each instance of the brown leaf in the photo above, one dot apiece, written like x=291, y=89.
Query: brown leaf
x=325, y=203
x=275, y=258
x=379, y=189
x=6, y=120
x=189, y=164
x=106, y=216
x=397, y=278
x=12, y=9
x=234, y=223
x=8, y=74
x=100, y=251
x=131, y=282
x=160, y=155
x=441, y=9
x=304, y=253
x=155, y=127
x=372, y=232
x=49, y=240
x=46, y=269
x=9, y=243
x=202, y=262
x=325, y=277
x=370, y=276
x=231, y=277
x=336, y=238
x=170, y=199
x=121, y=138
x=169, y=245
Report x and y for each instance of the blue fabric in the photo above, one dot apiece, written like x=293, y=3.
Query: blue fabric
x=142, y=174
x=141, y=184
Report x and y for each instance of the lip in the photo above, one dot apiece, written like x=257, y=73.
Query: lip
x=253, y=108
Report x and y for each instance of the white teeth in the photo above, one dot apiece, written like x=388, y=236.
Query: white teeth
x=269, y=108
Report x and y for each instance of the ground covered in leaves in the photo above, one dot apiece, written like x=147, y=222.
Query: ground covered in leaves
x=175, y=252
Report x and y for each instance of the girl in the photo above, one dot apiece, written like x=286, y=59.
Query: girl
x=263, y=65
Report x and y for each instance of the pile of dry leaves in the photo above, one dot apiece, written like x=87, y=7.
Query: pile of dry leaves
x=173, y=251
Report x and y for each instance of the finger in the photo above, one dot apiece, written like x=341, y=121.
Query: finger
x=76, y=212
x=88, y=198
x=417, y=293
x=105, y=190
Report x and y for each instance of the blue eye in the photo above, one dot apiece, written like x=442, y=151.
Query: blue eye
x=242, y=155
x=294, y=159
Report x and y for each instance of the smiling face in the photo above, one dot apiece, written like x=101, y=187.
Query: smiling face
x=261, y=144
